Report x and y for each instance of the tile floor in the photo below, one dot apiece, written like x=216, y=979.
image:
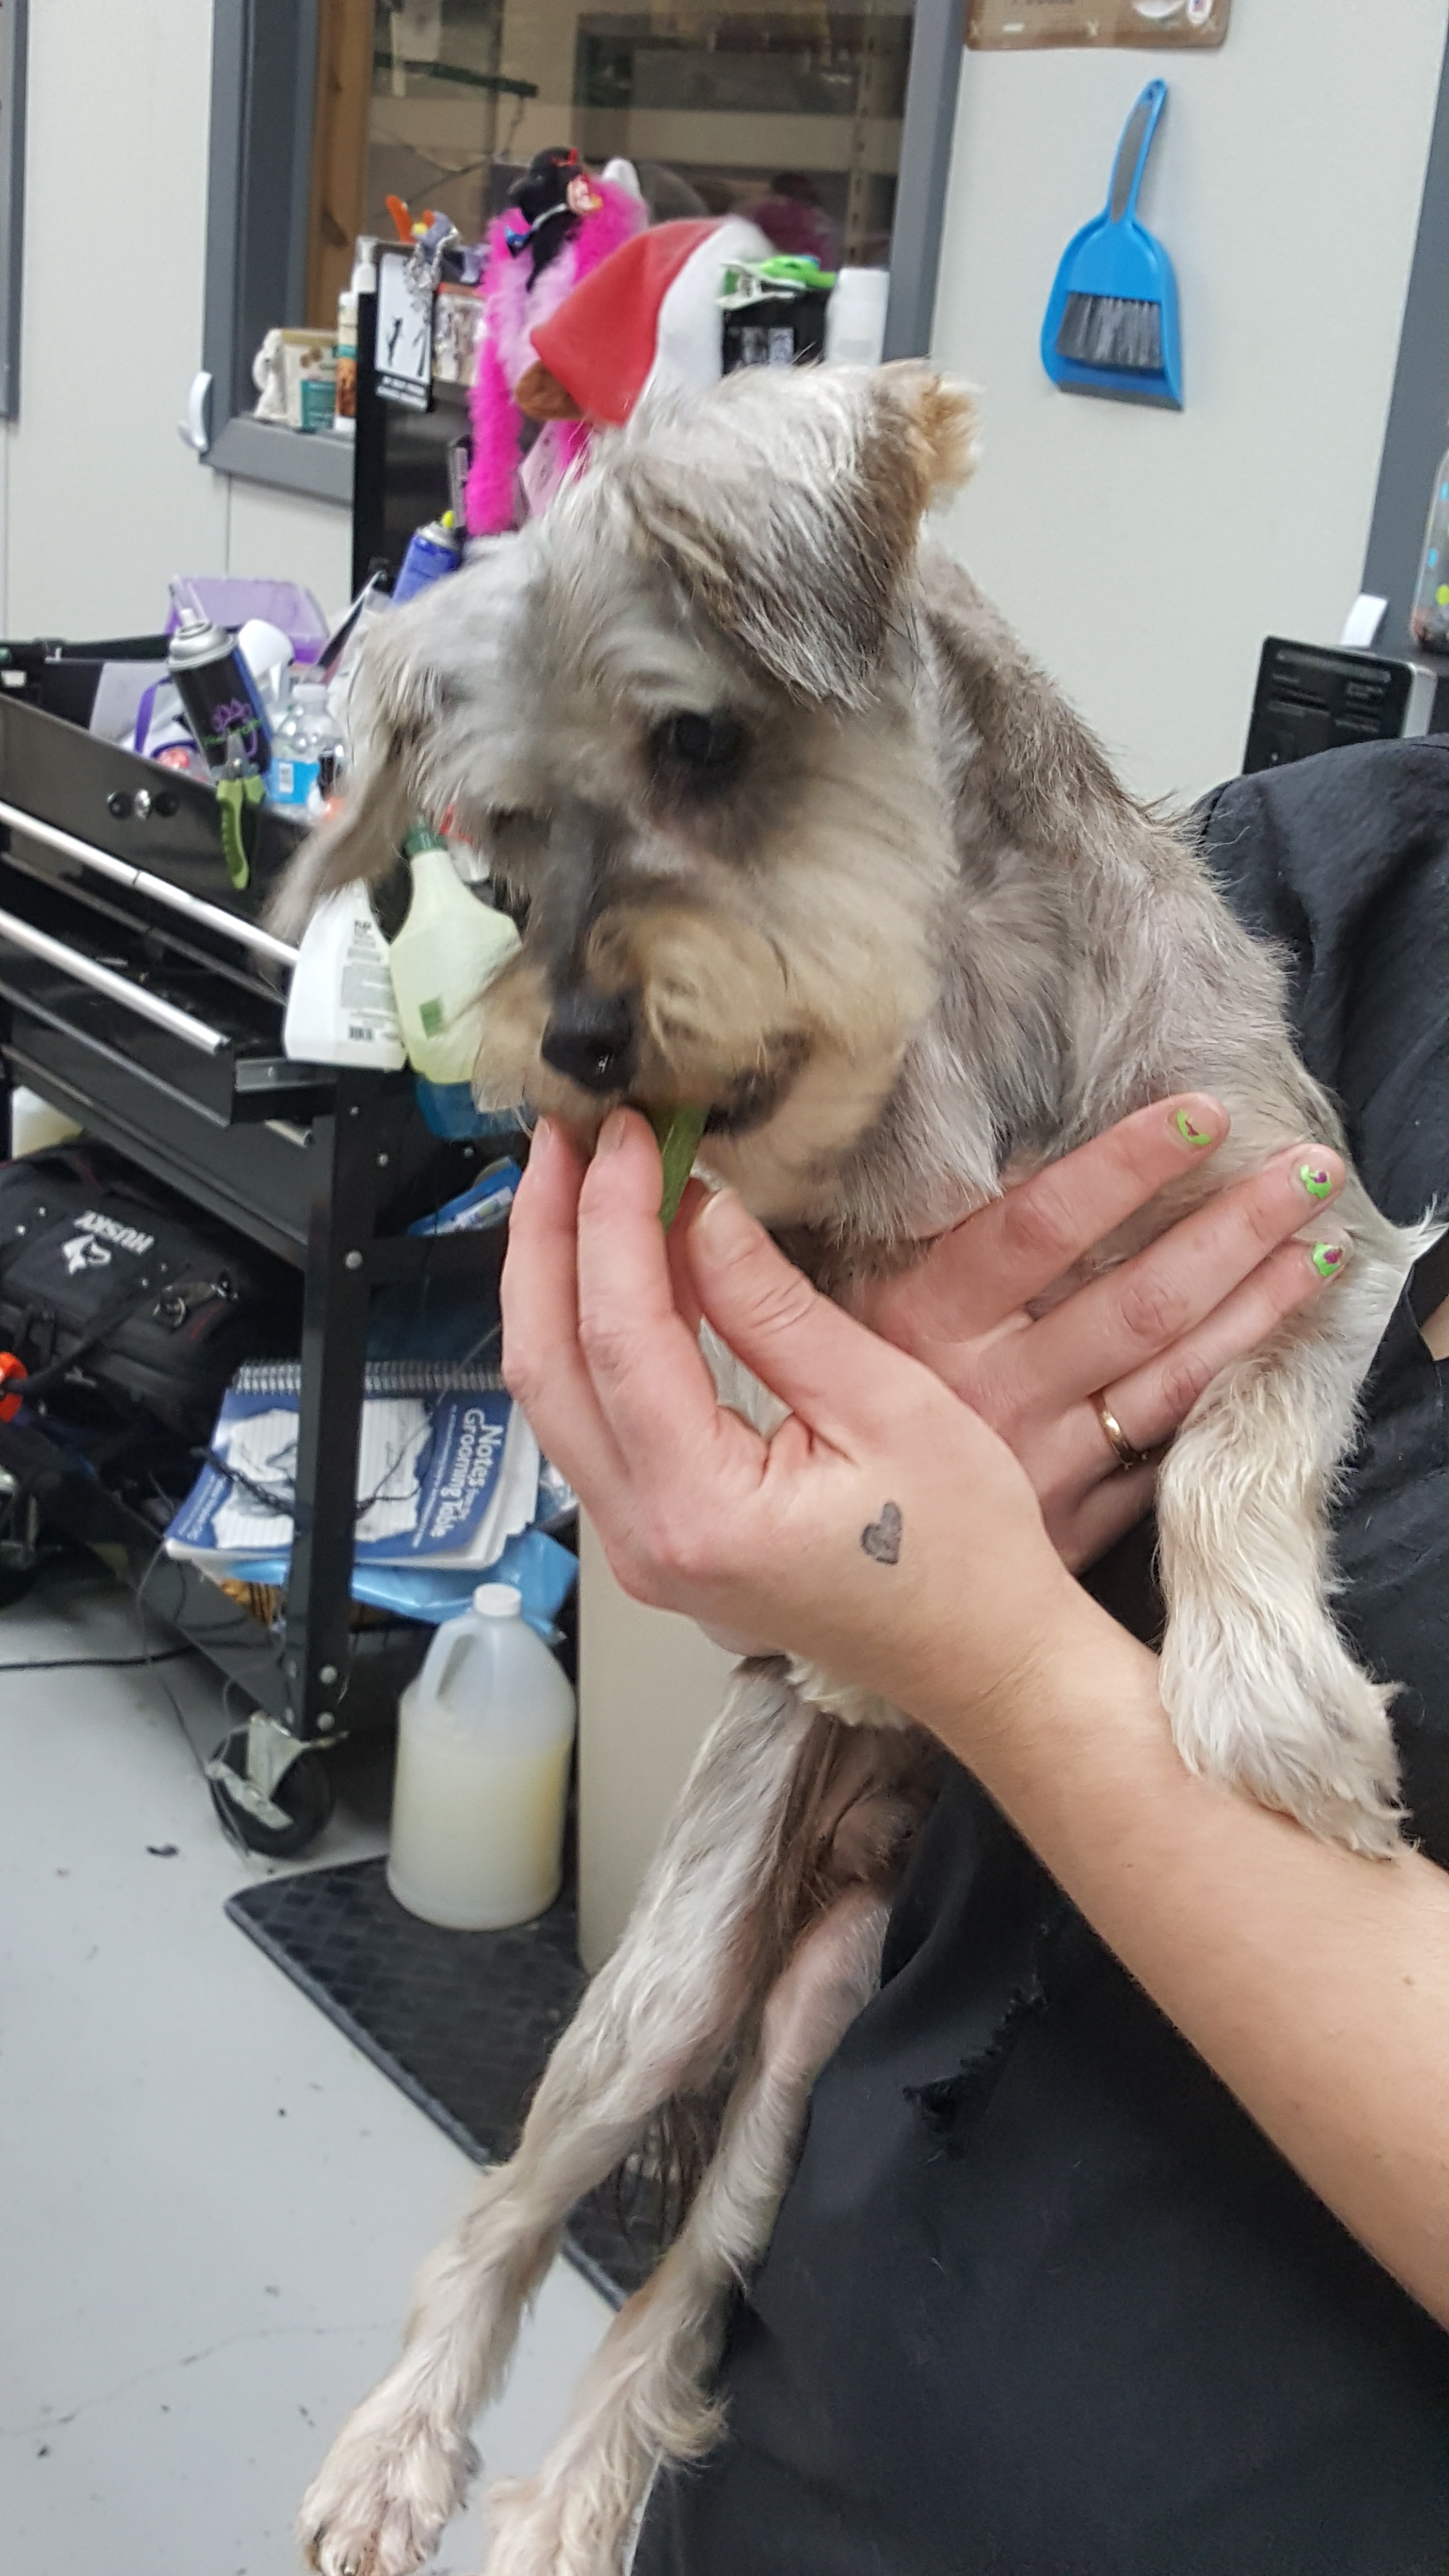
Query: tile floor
x=211, y=2206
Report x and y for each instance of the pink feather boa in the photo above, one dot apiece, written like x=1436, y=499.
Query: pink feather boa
x=510, y=313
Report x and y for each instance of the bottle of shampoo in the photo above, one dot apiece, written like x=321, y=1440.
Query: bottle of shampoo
x=448, y=949
x=340, y=1009
x=484, y=1738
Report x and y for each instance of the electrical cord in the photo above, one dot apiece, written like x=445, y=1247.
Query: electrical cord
x=146, y=1661
x=168, y=1654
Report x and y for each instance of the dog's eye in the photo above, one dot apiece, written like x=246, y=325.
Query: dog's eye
x=702, y=754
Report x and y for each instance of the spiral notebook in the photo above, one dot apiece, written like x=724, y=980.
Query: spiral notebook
x=447, y=1469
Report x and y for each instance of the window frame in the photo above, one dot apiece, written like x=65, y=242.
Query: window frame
x=1416, y=432
x=263, y=97
x=14, y=40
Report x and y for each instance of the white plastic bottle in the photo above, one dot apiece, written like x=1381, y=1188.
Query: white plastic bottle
x=484, y=1738
x=447, y=950
x=340, y=1008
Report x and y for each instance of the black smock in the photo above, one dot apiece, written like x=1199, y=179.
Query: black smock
x=1041, y=2300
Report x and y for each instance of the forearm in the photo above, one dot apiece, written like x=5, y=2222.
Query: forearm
x=1314, y=1982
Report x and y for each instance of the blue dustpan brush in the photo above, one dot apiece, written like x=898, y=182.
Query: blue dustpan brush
x=1111, y=326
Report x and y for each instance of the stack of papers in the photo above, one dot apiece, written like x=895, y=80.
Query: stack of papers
x=447, y=1470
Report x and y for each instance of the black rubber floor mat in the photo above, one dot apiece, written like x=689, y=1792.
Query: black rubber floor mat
x=463, y=2021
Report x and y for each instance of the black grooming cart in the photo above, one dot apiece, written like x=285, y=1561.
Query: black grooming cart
x=141, y=993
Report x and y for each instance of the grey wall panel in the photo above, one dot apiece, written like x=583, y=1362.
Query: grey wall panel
x=13, y=30
x=1418, y=423
x=263, y=82
x=937, y=50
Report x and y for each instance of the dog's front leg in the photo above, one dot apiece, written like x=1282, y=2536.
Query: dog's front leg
x=658, y=2019
x=1259, y=1686
x=645, y=2398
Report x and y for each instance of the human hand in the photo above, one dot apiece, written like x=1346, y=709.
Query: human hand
x=1149, y=1335
x=885, y=1531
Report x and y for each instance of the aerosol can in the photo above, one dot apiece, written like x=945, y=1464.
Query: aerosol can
x=222, y=701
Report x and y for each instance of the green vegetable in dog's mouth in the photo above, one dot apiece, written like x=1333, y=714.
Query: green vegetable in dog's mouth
x=679, y=1132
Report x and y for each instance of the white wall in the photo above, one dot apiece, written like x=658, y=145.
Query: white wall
x=100, y=499
x=1143, y=554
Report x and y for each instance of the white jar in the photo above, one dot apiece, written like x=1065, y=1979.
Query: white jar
x=484, y=1739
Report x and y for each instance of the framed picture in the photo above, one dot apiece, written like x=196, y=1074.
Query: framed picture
x=405, y=296
x=1020, y=26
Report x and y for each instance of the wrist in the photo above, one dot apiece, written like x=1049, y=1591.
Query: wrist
x=1078, y=1675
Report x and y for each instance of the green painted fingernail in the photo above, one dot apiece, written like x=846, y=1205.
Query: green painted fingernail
x=1327, y=1259
x=1316, y=1181
x=1190, y=1135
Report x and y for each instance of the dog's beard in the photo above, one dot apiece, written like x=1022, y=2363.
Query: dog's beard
x=738, y=1088
x=780, y=1114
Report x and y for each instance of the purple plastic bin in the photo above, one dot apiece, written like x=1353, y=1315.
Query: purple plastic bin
x=229, y=599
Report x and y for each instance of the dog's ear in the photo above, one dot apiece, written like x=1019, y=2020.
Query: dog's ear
x=786, y=504
x=441, y=713
x=937, y=420
x=395, y=696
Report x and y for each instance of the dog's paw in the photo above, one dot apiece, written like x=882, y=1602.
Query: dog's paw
x=388, y=2488
x=1284, y=1713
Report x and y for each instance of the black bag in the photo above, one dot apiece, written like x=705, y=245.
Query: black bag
x=102, y=1271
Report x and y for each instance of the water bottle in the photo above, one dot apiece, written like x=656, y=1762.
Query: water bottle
x=290, y=778
x=325, y=740
x=484, y=1739
x=306, y=749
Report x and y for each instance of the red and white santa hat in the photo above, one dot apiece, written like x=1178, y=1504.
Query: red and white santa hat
x=647, y=316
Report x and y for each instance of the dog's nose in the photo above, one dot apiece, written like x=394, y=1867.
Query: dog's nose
x=591, y=1038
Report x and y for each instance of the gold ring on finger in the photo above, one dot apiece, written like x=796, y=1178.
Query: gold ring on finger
x=1115, y=1437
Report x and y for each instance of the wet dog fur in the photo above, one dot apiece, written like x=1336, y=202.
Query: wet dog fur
x=806, y=840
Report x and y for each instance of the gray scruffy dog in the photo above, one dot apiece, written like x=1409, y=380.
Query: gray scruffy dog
x=807, y=840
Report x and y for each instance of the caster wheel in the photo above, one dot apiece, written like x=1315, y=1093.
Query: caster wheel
x=283, y=1823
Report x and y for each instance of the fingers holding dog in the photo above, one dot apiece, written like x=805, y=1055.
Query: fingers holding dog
x=586, y=1360
x=1147, y=1337
x=1154, y=1401
x=640, y=1352
x=806, y=1350
x=1147, y=1306
x=987, y=1269
x=543, y=1365
x=1096, y=1500
x=696, y=1511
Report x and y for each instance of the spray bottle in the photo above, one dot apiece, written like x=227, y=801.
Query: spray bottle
x=448, y=949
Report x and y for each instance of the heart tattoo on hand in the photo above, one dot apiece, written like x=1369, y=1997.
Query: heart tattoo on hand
x=882, y=1539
